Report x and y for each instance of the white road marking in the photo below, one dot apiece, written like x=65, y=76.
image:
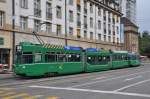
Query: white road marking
x=93, y=91
x=89, y=83
x=135, y=84
x=99, y=78
x=133, y=78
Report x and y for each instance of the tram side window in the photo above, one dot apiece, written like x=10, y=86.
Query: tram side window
x=114, y=57
x=61, y=58
x=105, y=59
x=74, y=58
x=18, y=57
x=27, y=58
x=91, y=60
x=50, y=57
x=38, y=58
x=100, y=60
x=77, y=58
x=126, y=57
x=134, y=57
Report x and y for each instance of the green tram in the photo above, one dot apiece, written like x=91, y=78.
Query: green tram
x=50, y=60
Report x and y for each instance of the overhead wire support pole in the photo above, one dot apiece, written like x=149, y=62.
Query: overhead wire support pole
x=66, y=43
x=13, y=28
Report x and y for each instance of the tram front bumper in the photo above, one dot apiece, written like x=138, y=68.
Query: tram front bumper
x=19, y=70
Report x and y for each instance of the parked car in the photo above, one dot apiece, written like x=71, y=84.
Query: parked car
x=4, y=68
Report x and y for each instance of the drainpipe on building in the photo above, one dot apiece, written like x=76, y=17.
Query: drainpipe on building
x=13, y=28
x=66, y=43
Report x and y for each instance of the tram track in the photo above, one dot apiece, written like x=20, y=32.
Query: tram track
x=60, y=79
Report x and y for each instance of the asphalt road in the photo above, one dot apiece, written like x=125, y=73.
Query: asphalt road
x=128, y=83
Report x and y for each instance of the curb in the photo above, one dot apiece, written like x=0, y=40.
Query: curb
x=6, y=73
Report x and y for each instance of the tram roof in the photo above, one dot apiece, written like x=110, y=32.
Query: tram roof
x=30, y=47
x=99, y=53
x=120, y=52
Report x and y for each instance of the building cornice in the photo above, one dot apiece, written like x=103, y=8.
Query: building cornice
x=101, y=4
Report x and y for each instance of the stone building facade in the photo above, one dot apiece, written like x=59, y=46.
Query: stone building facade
x=131, y=36
x=84, y=23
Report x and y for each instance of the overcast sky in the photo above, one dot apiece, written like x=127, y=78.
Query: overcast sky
x=143, y=14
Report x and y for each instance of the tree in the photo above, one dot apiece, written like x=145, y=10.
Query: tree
x=146, y=34
x=144, y=43
x=147, y=51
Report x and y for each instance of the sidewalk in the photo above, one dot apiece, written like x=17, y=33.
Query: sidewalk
x=6, y=75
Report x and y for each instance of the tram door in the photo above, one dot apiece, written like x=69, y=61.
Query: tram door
x=84, y=61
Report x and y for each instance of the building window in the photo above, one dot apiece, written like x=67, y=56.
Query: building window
x=99, y=36
x=85, y=34
x=1, y=41
x=58, y=31
x=71, y=16
x=49, y=28
x=78, y=33
x=91, y=35
x=117, y=40
x=117, y=30
x=113, y=39
x=58, y=12
x=105, y=38
x=48, y=11
x=118, y=18
x=78, y=8
x=78, y=20
x=113, y=19
x=85, y=7
x=99, y=11
x=37, y=8
x=1, y=19
x=91, y=8
x=70, y=30
x=109, y=17
x=104, y=15
x=109, y=38
x=71, y=2
x=24, y=4
x=85, y=22
x=91, y=22
x=113, y=26
x=99, y=24
x=109, y=29
x=23, y=23
x=85, y=4
x=37, y=26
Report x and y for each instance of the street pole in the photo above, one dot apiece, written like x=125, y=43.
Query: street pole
x=66, y=43
x=13, y=28
x=95, y=28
